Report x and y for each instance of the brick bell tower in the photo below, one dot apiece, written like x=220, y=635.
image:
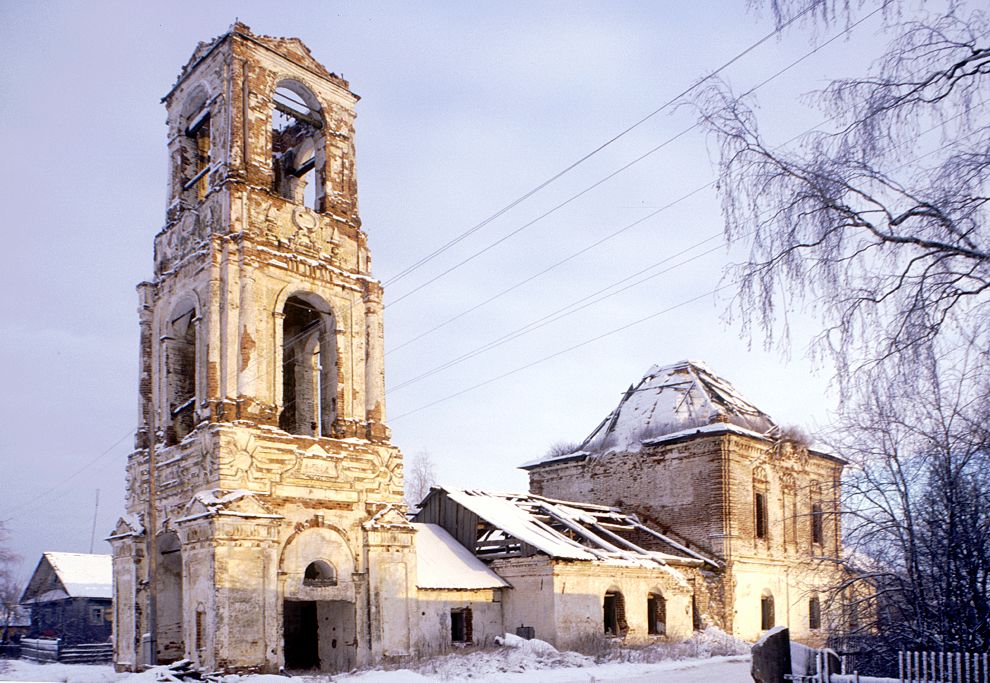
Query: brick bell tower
x=271, y=530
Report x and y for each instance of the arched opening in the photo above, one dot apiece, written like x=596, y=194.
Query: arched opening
x=298, y=145
x=179, y=348
x=614, y=608
x=171, y=646
x=766, y=610
x=656, y=614
x=194, y=144
x=320, y=573
x=814, y=613
x=309, y=368
x=760, y=514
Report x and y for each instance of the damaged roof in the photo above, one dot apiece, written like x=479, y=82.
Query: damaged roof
x=70, y=575
x=672, y=401
x=515, y=525
x=443, y=563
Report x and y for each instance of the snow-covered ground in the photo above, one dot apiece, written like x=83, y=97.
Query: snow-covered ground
x=709, y=656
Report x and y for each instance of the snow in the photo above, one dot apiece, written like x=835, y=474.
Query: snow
x=442, y=562
x=676, y=398
x=82, y=575
x=709, y=656
x=517, y=660
x=514, y=515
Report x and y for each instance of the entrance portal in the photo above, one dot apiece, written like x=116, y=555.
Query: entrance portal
x=319, y=635
x=301, y=635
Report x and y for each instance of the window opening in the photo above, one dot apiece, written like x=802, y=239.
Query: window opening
x=461, y=627
x=766, y=610
x=297, y=144
x=309, y=375
x=615, y=614
x=817, y=527
x=656, y=611
x=180, y=376
x=814, y=613
x=761, y=515
x=320, y=573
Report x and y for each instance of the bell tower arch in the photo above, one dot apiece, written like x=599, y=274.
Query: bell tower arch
x=261, y=397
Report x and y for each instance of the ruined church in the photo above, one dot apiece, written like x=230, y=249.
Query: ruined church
x=265, y=527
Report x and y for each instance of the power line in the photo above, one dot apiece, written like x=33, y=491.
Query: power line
x=561, y=352
x=569, y=309
x=611, y=175
x=69, y=478
x=429, y=257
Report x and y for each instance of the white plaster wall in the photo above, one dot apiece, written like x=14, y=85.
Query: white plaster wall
x=431, y=630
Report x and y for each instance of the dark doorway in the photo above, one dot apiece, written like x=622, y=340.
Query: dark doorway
x=301, y=635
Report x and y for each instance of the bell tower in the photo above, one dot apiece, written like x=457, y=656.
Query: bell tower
x=265, y=525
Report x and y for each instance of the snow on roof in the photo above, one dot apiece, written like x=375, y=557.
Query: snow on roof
x=77, y=575
x=562, y=529
x=442, y=562
x=669, y=400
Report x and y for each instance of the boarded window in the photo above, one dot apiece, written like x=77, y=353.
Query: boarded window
x=200, y=629
x=760, y=505
x=461, y=628
x=814, y=613
x=766, y=610
x=656, y=615
x=817, y=524
x=615, y=614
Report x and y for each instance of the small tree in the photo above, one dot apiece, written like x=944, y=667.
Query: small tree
x=10, y=591
x=420, y=477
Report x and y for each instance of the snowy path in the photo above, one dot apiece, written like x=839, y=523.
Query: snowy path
x=716, y=669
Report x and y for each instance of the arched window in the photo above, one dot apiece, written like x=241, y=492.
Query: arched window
x=766, y=610
x=615, y=614
x=817, y=516
x=656, y=614
x=320, y=573
x=194, y=144
x=298, y=145
x=760, y=516
x=179, y=348
x=309, y=367
x=814, y=613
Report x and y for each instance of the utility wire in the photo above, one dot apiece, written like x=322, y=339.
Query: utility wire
x=562, y=352
x=67, y=479
x=429, y=257
x=570, y=309
x=611, y=175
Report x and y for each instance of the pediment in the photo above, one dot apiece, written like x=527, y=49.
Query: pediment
x=215, y=501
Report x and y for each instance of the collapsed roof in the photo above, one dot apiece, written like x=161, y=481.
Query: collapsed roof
x=502, y=525
x=59, y=576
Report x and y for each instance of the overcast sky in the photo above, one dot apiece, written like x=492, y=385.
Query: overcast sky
x=464, y=108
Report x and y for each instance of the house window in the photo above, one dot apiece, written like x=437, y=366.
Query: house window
x=615, y=614
x=96, y=615
x=760, y=504
x=461, y=626
x=656, y=615
x=320, y=574
x=814, y=613
x=817, y=526
x=766, y=610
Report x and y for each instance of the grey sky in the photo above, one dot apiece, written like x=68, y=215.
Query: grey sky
x=465, y=107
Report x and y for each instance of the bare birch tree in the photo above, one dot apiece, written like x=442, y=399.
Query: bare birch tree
x=878, y=226
x=420, y=475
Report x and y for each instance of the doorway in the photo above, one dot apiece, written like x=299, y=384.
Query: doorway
x=301, y=635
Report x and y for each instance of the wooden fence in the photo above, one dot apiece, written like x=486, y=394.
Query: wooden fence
x=52, y=650
x=944, y=667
